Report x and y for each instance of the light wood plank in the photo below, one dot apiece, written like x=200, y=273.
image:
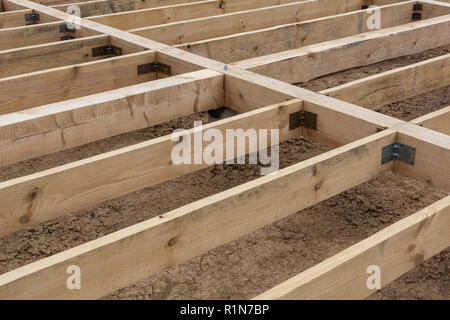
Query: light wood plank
x=338, y=122
x=432, y=156
x=241, y=84
x=12, y=38
x=247, y=45
x=395, y=85
x=11, y=19
x=437, y=121
x=124, y=257
x=87, y=182
x=45, y=56
x=244, y=21
x=58, y=84
x=58, y=54
x=10, y=6
x=307, y=63
x=161, y=15
x=237, y=78
x=396, y=250
x=102, y=7
x=72, y=123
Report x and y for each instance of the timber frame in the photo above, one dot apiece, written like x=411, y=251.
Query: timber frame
x=135, y=64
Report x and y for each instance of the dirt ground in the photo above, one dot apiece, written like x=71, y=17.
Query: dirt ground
x=262, y=259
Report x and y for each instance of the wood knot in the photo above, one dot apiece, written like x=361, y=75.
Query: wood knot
x=172, y=242
x=33, y=194
x=24, y=219
x=318, y=185
x=418, y=259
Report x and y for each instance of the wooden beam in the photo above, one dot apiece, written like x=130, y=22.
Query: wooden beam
x=434, y=9
x=437, y=121
x=12, y=19
x=12, y=38
x=441, y=3
x=43, y=87
x=58, y=54
x=161, y=15
x=244, y=88
x=53, y=2
x=307, y=63
x=101, y=7
x=137, y=252
x=285, y=37
x=432, y=154
x=395, y=250
x=9, y=6
x=90, y=181
x=236, y=76
x=177, y=233
x=338, y=122
x=45, y=56
x=395, y=85
x=72, y=123
x=237, y=79
x=412, y=80
x=244, y=21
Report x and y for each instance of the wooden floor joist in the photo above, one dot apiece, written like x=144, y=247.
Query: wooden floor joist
x=102, y=7
x=72, y=123
x=396, y=250
x=244, y=21
x=395, y=85
x=46, y=56
x=432, y=155
x=246, y=45
x=134, y=253
x=103, y=177
x=154, y=16
x=304, y=64
x=12, y=38
x=437, y=121
x=56, y=94
x=12, y=19
x=58, y=84
x=376, y=90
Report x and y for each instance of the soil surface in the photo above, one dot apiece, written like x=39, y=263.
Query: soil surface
x=260, y=260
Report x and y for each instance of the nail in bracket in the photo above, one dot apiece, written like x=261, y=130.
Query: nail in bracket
x=398, y=151
x=302, y=118
x=66, y=28
x=105, y=50
x=417, y=11
x=154, y=67
x=32, y=17
x=418, y=7
x=67, y=37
